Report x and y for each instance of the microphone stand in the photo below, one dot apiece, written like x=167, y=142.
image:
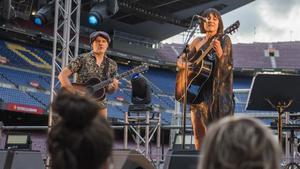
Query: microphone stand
x=186, y=51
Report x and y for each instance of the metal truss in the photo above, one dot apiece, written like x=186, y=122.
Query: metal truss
x=66, y=40
x=65, y=44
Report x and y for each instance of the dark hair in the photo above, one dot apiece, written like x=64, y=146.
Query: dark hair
x=216, y=13
x=81, y=139
x=239, y=143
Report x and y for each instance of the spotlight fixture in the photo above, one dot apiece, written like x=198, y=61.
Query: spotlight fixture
x=45, y=14
x=101, y=11
x=141, y=90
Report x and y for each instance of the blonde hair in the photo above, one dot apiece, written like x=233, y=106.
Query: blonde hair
x=239, y=143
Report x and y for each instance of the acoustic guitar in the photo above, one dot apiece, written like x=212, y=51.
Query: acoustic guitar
x=96, y=88
x=199, y=71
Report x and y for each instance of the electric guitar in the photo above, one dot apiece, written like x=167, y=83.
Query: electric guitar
x=199, y=71
x=96, y=88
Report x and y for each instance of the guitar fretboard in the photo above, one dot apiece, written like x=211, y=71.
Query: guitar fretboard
x=120, y=76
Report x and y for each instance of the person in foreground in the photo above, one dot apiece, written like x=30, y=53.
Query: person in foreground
x=94, y=64
x=80, y=139
x=216, y=95
x=239, y=143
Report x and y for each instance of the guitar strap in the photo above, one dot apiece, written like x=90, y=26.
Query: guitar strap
x=211, y=54
x=198, y=54
x=202, y=48
x=106, y=69
x=105, y=73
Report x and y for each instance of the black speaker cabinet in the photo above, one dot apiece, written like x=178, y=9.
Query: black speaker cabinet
x=182, y=159
x=130, y=159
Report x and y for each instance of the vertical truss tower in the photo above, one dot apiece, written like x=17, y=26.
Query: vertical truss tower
x=66, y=40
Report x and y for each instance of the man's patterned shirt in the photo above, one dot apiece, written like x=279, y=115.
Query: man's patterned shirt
x=86, y=67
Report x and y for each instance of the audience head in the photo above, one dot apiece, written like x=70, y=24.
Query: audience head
x=80, y=139
x=239, y=143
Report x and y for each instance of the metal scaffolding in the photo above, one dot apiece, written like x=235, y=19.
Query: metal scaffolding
x=65, y=43
x=65, y=39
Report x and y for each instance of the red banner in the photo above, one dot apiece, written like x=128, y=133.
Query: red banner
x=24, y=108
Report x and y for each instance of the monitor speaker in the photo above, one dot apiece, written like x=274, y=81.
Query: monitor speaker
x=179, y=159
x=189, y=142
x=130, y=159
x=21, y=160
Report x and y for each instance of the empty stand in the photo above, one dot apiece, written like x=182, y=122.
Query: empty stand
x=26, y=57
x=169, y=52
x=24, y=78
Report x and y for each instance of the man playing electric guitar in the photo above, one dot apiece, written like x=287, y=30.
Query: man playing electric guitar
x=215, y=99
x=94, y=64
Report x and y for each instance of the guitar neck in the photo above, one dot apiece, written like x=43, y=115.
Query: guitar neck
x=204, y=54
x=110, y=80
x=228, y=30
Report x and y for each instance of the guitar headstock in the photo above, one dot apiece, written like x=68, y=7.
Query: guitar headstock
x=141, y=68
x=232, y=28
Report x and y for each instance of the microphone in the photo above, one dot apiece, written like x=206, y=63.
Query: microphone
x=201, y=18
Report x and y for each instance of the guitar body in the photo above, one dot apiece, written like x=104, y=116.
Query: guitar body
x=86, y=89
x=197, y=76
x=96, y=88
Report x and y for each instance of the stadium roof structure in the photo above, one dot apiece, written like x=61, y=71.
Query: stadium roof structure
x=153, y=19
x=136, y=29
x=161, y=19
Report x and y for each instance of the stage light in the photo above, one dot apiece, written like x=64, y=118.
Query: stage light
x=93, y=20
x=38, y=21
x=33, y=13
x=101, y=11
x=141, y=90
x=45, y=14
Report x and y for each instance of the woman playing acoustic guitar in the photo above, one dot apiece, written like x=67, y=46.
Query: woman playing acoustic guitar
x=212, y=77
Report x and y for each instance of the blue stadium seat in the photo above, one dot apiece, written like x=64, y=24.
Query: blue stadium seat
x=19, y=97
x=26, y=57
x=24, y=78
